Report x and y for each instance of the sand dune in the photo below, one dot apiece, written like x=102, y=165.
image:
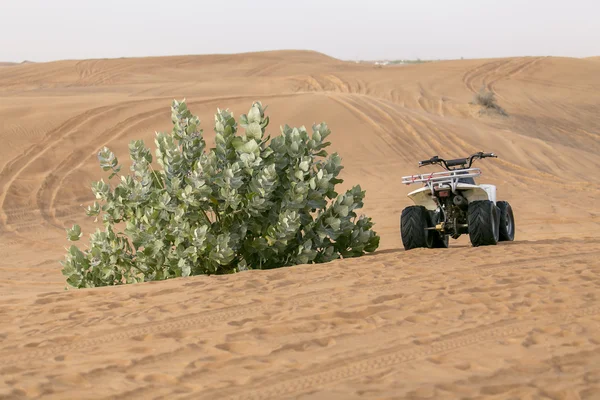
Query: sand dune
x=517, y=320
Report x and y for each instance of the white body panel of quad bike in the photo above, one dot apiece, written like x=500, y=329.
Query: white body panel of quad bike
x=423, y=197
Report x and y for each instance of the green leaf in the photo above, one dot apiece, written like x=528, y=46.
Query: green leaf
x=74, y=233
x=107, y=159
x=249, y=147
x=185, y=268
x=254, y=131
x=254, y=115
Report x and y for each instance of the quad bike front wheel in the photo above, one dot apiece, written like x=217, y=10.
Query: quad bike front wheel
x=484, y=221
x=507, y=222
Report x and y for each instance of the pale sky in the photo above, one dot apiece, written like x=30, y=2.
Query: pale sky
x=45, y=30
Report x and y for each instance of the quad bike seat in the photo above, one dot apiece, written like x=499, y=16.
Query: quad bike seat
x=469, y=180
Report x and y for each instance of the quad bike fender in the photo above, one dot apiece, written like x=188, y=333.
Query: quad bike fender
x=477, y=192
x=422, y=197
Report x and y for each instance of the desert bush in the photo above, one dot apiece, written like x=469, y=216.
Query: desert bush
x=487, y=99
x=248, y=203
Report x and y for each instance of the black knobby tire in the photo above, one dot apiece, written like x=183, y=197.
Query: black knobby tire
x=413, y=223
x=483, y=223
x=507, y=222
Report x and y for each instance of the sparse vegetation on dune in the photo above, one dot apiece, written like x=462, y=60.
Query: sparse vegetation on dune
x=487, y=99
x=248, y=203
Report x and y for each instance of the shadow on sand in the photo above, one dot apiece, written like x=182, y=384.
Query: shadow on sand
x=556, y=241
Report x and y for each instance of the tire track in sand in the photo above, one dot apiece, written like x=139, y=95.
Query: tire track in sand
x=480, y=71
x=521, y=66
x=237, y=311
x=356, y=105
x=17, y=165
x=389, y=356
x=50, y=186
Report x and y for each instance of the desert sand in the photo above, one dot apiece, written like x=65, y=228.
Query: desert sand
x=520, y=320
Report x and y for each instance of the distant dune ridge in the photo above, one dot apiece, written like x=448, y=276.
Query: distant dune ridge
x=516, y=320
x=10, y=64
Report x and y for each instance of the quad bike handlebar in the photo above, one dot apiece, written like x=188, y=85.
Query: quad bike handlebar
x=458, y=162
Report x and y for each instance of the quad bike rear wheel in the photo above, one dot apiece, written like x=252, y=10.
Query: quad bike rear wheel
x=484, y=221
x=507, y=222
x=414, y=222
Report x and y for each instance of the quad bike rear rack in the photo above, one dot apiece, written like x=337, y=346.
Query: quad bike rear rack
x=441, y=180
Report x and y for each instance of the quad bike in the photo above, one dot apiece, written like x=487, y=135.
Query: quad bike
x=451, y=204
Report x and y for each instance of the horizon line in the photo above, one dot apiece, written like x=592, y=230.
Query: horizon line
x=285, y=50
